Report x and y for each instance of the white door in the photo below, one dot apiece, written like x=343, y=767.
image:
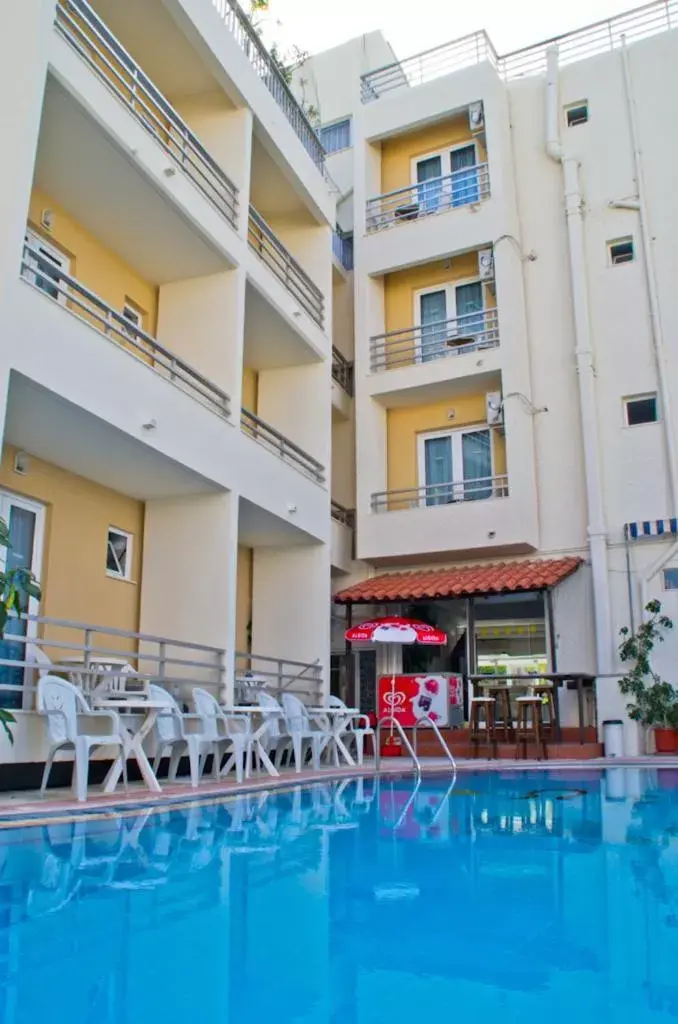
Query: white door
x=42, y=266
x=26, y=522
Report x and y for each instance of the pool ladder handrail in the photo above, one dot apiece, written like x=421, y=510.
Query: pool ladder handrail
x=403, y=736
x=429, y=721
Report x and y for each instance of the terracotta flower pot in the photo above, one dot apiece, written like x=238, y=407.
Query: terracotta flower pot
x=666, y=741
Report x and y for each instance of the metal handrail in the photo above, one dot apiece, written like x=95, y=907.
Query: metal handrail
x=281, y=446
x=451, y=493
x=82, y=28
x=599, y=37
x=78, y=300
x=342, y=247
x=250, y=43
x=270, y=250
x=401, y=732
x=427, y=720
x=425, y=198
x=283, y=673
x=345, y=516
x=470, y=332
x=342, y=371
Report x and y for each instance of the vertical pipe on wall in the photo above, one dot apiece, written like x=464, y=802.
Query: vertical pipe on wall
x=596, y=528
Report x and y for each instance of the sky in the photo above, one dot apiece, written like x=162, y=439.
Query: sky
x=316, y=25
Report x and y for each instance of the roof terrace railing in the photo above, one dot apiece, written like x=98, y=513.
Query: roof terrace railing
x=82, y=29
x=241, y=28
x=599, y=37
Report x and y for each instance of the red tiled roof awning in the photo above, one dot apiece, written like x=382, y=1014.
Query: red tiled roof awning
x=462, y=581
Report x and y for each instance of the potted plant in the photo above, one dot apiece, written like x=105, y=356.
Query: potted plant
x=655, y=701
x=16, y=587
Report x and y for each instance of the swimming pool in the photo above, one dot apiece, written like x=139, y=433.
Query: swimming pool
x=516, y=896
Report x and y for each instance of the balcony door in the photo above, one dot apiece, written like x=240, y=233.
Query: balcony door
x=455, y=465
x=430, y=190
x=464, y=171
x=448, y=316
x=42, y=263
x=25, y=520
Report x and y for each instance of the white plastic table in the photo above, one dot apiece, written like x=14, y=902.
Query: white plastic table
x=340, y=719
x=258, y=733
x=135, y=734
x=97, y=670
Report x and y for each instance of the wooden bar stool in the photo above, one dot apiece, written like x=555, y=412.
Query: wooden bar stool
x=503, y=717
x=548, y=711
x=529, y=728
x=481, y=722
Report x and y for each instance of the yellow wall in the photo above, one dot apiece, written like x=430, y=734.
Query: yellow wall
x=404, y=426
x=400, y=288
x=243, y=612
x=96, y=267
x=73, y=572
x=397, y=153
x=250, y=389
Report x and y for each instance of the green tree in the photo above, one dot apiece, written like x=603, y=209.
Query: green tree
x=17, y=586
x=655, y=701
x=286, y=62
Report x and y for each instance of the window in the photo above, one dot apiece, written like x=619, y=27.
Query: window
x=455, y=465
x=641, y=409
x=42, y=265
x=134, y=315
x=450, y=178
x=576, y=114
x=336, y=136
x=621, y=251
x=670, y=580
x=119, y=554
x=449, y=318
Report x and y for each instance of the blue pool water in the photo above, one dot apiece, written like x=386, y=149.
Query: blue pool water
x=511, y=897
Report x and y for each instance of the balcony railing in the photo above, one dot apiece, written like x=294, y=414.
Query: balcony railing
x=68, y=292
x=461, y=188
x=600, y=37
x=89, y=655
x=342, y=247
x=273, y=253
x=342, y=371
x=278, y=676
x=78, y=24
x=441, y=494
x=345, y=516
x=422, y=344
x=266, y=68
x=286, y=450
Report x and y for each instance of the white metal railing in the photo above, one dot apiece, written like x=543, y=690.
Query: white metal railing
x=266, y=68
x=281, y=446
x=69, y=293
x=422, y=344
x=441, y=494
x=82, y=28
x=89, y=654
x=270, y=250
x=599, y=37
x=280, y=675
x=426, y=198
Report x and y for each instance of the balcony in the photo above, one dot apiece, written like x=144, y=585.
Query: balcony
x=266, y=68
x=433, y=495
x=465, y=187
x=342, y=548
x=342, y=371
x=285, y=450
x=68, y=292
x=282, y=264
x=84, y=31
x=425, y=67
x=471, y=332
x=342, y=248
x=345, y=516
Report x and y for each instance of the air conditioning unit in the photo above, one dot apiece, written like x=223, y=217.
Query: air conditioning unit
x=476, y=116
x=494, y=408
x=486, y=264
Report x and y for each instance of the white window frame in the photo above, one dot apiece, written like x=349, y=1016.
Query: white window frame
x=348, y=119
x=445, y=161
x=450, y=289
x=668, y=568
x=624, y=240
x=579, y=105
x=63, y=262
x=643, y=396
x=127, y=574
x=457, y=455
x=136, y=322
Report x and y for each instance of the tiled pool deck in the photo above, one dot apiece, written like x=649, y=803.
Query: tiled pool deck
x=26, y=807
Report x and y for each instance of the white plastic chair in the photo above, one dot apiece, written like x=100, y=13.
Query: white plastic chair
x=67, y=712
x=354, y=730
x=227, y=734
x=277, y=740
x=304, y=732
x=171, y=736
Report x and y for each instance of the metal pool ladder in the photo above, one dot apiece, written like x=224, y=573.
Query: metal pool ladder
x=446, y=750
x=403, y=736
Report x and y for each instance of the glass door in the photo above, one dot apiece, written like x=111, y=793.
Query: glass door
x=469, y=303
x=429, y=175
x=477, y=464
x=25, y=520
x=433, y=321
x=45, y=262
x=438, y=470
x=465, y=185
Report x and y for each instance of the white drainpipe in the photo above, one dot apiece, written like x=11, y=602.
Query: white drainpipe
x=655, y=320
x=596, y=529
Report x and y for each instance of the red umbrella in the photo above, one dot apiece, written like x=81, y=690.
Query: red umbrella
x=392, y=629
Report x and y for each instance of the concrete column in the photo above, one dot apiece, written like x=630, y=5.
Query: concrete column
x=189, y=575
x=291, y=605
